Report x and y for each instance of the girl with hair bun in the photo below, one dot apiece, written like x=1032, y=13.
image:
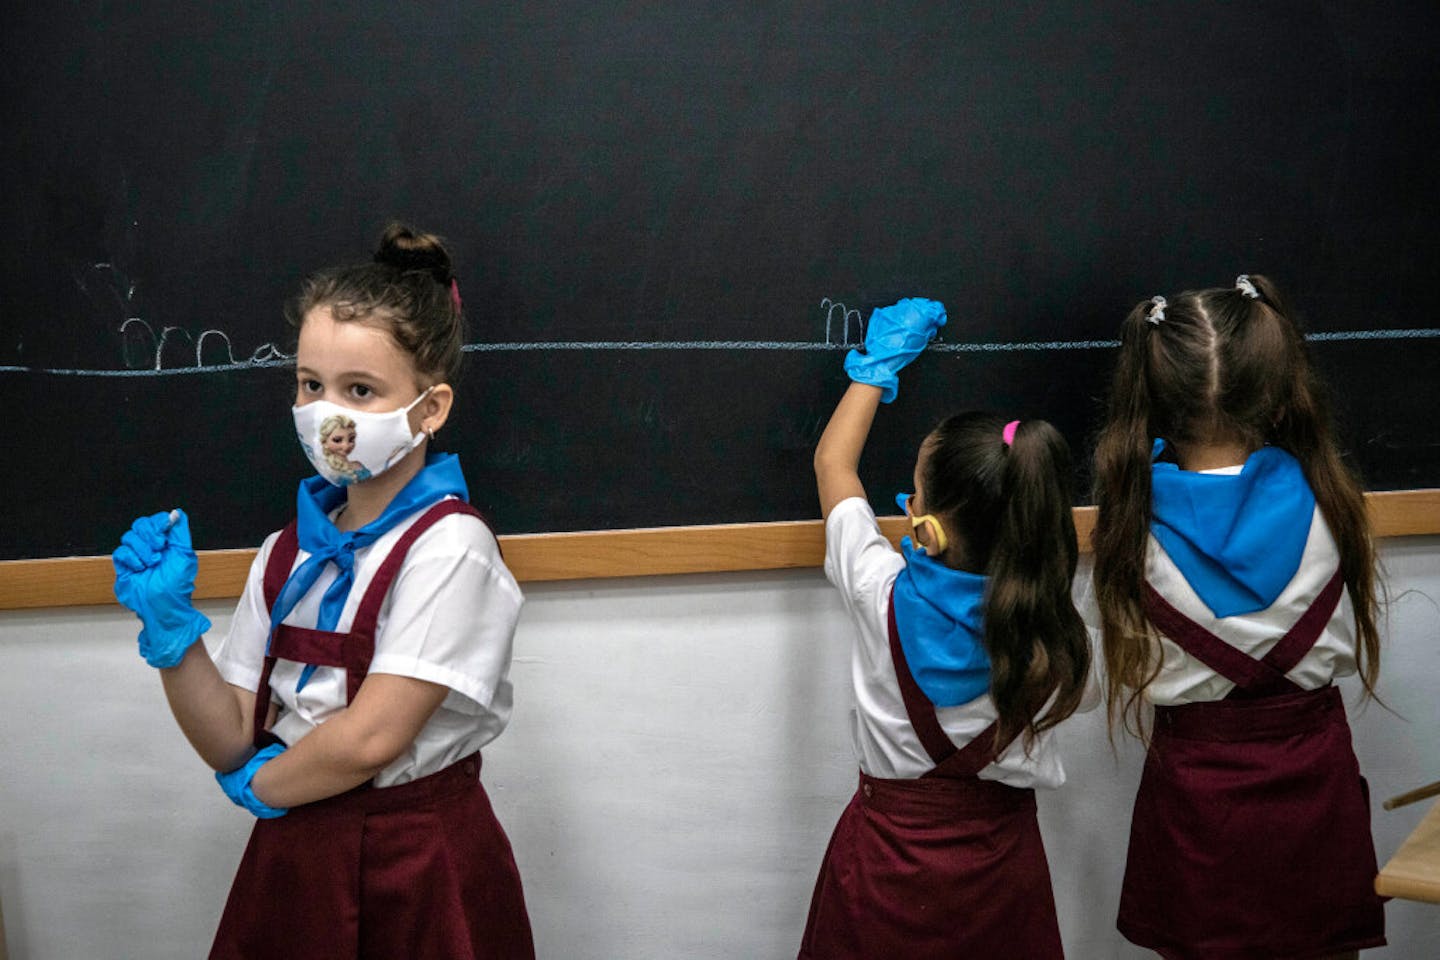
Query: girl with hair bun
x=1234, y=582
x=367, y=663
x=967, y=653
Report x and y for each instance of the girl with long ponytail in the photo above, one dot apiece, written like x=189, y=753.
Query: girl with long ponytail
x=967, y=652
x=1234, y=582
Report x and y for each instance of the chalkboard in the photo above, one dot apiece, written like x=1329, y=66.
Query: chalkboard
x=670, y=220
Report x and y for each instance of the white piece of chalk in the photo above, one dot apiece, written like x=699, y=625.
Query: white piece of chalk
x=174, y=516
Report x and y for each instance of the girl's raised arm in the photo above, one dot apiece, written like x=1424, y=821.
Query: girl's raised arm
x=895, y=335
x=837, y=456
x=214, y=715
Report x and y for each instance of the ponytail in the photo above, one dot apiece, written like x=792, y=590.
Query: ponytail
x=1225, y=362
x=1302, y=426
x=1039, y=650
x=1011, y=506
x=1122, y=498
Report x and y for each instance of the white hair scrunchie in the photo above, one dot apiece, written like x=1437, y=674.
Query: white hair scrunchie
x=1157, y=310
x=1243, y=284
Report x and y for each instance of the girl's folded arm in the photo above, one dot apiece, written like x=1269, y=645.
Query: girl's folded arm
x=354, y=745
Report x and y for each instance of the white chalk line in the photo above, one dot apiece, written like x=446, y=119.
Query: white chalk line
x=721, y=345
x=769, y=345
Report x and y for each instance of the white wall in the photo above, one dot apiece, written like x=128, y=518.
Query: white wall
x=677, y=759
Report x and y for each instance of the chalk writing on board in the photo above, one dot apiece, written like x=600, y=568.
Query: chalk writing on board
x=115, y=283
x=262, y=355
x=844, y=328
x=830, y=307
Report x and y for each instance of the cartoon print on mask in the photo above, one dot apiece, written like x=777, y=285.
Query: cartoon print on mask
x=337, y=442
x=335, y=447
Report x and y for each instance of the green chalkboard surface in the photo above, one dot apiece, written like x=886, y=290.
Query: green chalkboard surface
x=669, y=221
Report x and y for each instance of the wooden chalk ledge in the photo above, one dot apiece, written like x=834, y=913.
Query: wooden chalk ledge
x=534, y=557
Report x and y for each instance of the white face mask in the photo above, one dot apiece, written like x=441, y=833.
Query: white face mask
x=346, y=446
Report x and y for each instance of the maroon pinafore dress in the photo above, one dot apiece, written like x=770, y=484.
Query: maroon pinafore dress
x=1251, y=832
x=942, y=867
x=418, y=870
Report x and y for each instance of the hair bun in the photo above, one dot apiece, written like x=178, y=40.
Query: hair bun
x=406, y=249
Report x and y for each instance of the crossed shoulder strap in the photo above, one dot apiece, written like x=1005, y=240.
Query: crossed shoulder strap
x=1252, y=677
x=353, y=649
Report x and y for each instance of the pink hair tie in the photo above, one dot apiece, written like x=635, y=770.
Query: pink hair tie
x=455, y=293
x=1008, y=434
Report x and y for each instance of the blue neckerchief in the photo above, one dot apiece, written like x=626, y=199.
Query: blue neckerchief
x=319, y=537
x=1237, y=538
x=939, y=614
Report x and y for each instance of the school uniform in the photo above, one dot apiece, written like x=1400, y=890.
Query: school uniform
x=413, y=863
x=938, y=853
x=1251, y=830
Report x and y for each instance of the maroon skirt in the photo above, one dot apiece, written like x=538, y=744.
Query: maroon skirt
x=1251, y=834
x=934, y=868
x=419, y=870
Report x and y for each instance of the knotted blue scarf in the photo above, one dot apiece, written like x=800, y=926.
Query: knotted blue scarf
x=1238, y=539
x=325, y=543
x=940, y=616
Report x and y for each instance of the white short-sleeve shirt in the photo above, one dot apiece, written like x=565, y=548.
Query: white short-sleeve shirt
x=1184, y=679
x=448, y=618
x=863, y=565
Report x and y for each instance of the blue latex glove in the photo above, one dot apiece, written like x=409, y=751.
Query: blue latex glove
x=895, y=335
x=236, y=783
x=154, y=576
